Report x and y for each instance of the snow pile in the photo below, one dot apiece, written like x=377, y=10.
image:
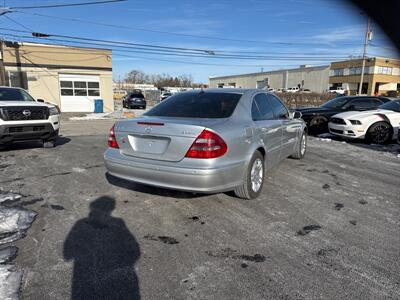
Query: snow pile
x=9, y=197
x=14, y=222
x=10, y=281
x=7, y=254
x=100, y=116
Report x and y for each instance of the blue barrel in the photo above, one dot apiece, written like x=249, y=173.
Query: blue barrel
x=98, y=106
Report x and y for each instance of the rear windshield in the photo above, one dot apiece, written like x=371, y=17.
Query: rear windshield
x=136, y=96
x=7, y=94
x=197, y=105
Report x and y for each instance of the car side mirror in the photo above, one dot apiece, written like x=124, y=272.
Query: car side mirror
x=40, y=100
x=296, y=115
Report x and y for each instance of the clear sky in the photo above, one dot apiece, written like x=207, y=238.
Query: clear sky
x=290, y=32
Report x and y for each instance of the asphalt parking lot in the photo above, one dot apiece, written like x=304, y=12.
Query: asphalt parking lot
x=324, y=227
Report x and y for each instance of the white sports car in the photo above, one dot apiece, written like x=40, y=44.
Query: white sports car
x=376, y=126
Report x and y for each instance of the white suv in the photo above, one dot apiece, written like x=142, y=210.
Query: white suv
x=22, y=118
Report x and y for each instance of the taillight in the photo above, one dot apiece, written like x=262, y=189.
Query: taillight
x=207, y=145
x=112, y=141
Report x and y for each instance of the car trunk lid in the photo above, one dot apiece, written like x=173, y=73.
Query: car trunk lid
x=159, y=138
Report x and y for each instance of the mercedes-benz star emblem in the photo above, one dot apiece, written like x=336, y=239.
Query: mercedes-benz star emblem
x=148, y=129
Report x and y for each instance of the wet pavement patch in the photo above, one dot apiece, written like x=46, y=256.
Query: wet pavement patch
x=363, y=202
x=253, y=258
x=326, y=186
x=196, y=219
x=327, y=252
x=53, y=206
x=338, y=206
x=307, y=229
x=165, y=239
x=234, y=254
x=32, y=201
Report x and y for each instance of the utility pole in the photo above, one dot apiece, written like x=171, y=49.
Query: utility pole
x=368, y=37
x=2, y=67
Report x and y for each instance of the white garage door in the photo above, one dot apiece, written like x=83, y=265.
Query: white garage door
x=78, y=92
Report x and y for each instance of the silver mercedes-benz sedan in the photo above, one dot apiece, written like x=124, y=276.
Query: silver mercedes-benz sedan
x=207, y=141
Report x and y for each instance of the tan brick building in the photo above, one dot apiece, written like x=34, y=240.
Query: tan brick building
x=380, y=76
x=70, y=77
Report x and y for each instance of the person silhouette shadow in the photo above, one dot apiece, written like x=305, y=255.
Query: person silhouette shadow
x=104, y=254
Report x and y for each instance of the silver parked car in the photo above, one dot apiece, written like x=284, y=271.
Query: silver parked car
x=207, y=141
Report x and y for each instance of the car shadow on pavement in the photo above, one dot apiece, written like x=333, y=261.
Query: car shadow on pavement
x=142, y=188
x=61, y=140
x=104, y=253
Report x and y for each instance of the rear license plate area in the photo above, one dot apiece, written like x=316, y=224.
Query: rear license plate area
x=148, y=144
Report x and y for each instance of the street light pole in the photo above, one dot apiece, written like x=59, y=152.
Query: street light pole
x=368, y=37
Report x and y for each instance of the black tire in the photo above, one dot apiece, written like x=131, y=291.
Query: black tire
x=379, y=133
x=301, y=147
x=246, y=191
x=318, y=124
x=49, y=143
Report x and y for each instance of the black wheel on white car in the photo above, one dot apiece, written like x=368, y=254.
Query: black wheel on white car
x=379, y=133
x=254, y=178
x=318, y=124
x=301, y=148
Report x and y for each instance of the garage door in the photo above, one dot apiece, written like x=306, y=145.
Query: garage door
x=78, y=92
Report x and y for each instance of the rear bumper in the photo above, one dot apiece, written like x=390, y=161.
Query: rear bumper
x=136, y=104
x=174, y=176
x=347, y=131
x=11, y=133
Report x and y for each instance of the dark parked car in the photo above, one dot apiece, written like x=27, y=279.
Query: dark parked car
x=134, y=100
x=317, y=118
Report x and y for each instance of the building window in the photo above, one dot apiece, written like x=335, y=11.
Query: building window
x=17, y=79
x=385, y=70
x=356, y=71
x=338, y=72
x=220, y=85
x=80, y=88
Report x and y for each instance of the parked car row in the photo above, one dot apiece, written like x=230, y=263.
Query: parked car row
x=375, y=119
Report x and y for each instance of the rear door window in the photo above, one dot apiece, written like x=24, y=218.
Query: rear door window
x=197, y=105
x=261, y=110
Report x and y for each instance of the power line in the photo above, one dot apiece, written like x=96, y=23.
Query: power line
x=155, y=50
x=169, y=32
x=16, y=22
x=119, y=42
x=67, y=4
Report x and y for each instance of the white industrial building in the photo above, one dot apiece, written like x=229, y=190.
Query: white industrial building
x=315, y=79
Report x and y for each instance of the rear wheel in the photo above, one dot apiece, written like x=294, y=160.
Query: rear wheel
x=379, y=133
x=254, y=178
